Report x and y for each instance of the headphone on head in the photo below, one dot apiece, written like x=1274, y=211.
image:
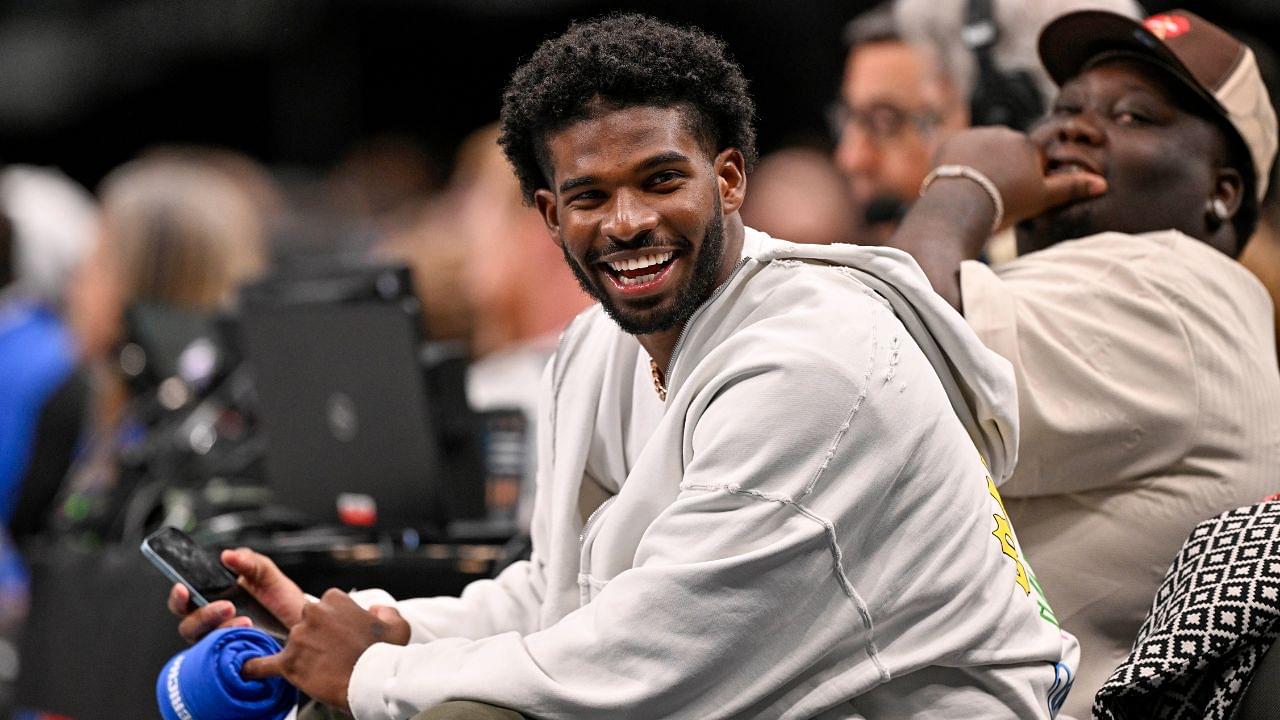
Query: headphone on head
x=998, y=97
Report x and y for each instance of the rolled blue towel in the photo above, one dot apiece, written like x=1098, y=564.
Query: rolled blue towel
x=203, y=682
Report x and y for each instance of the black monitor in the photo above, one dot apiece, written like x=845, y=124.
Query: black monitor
x=342, y=398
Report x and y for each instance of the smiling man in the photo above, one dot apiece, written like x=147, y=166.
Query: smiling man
x=1144, y=352
x=767, y=472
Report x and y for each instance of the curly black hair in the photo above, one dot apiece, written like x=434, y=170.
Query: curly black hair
x=619, y=61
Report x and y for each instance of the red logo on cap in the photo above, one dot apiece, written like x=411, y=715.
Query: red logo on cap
x=1167, y=27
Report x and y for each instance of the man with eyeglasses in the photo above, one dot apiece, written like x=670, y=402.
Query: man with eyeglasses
x=897, y=105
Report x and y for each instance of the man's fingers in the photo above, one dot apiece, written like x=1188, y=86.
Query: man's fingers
x=1064, y=188
x=255, y=568
x=238, y=621
x=260, y=576
x=202, y=621
x=263, y=667
x=179, y=600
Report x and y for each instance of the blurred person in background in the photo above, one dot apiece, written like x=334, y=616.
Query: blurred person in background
x=519, y=291
x=486, y=273
x=897, y=104
x=382, y=177
x=798, y=194
x=1262, y=254
x=487, y=276
x=1144, y=352
x=47, y=228
x=47, y=223
x=918, y=71
x=176, y=232
x=431, y=246
x=421, y=227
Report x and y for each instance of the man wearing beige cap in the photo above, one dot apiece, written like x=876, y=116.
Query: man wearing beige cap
x=1144, y=352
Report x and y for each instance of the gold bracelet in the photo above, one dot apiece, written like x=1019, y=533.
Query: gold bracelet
x=970, y=173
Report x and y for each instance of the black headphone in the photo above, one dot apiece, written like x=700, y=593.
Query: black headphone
x=998, y=97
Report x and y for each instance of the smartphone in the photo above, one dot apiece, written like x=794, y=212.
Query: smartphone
x=205, y=577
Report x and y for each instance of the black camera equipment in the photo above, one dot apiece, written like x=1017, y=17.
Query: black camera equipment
x=999, y=97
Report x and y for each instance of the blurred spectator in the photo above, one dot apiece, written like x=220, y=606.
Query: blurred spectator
x=797, y=194
x=431, y=240
x=174, y=232
x=486, y=269
x=46, y=228
x=1262, y=255
x=517, y=285
x=253, y=179
x=897, y=105
x=178, y=233
x=381, y=177
x=516, y=281
x=919, y=70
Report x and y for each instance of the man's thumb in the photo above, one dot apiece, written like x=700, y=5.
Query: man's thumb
x=398, y=631
x=259, y=668
x=1069, y=187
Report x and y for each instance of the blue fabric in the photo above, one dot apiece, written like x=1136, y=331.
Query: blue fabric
x=203, y=682
x=36, y=356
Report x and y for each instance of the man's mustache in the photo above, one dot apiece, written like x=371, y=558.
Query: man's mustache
x=645, y=241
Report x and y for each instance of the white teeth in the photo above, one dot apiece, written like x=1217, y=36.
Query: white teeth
x=628, y=282
x=640, y=262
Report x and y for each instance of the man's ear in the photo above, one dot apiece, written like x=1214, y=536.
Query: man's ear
x=1228, y=187
x=731, y=179
x=545, y=201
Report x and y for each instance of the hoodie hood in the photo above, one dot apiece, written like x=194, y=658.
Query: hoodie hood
x=979, y=383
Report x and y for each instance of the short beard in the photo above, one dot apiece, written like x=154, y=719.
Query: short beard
x=699, y=287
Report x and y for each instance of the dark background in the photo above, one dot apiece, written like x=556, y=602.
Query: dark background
x=85, y=85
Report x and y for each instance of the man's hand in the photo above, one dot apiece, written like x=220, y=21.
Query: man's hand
x=325, y=644
x=1017, y=168
x=260, y=577
x=952, y=222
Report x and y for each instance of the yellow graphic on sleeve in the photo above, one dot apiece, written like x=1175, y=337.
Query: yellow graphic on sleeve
x=1004, y=533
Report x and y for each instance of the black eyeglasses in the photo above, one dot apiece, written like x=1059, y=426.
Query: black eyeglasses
x=880, y=121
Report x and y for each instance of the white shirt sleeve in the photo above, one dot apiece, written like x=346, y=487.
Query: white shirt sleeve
x=1107, y=387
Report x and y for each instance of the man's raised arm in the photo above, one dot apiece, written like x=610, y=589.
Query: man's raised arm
x=958, y=209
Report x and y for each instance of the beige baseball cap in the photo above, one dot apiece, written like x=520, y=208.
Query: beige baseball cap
x=1215, y=65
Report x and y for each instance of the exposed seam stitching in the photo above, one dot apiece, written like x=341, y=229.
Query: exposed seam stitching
x=848, y=421
x=837, y=557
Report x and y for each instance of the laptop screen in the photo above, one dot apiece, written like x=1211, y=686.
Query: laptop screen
x=342, y=401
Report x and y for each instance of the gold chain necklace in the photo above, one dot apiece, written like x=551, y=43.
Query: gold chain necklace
x=658, y=384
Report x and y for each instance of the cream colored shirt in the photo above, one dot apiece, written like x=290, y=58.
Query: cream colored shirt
x=1149, y=400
